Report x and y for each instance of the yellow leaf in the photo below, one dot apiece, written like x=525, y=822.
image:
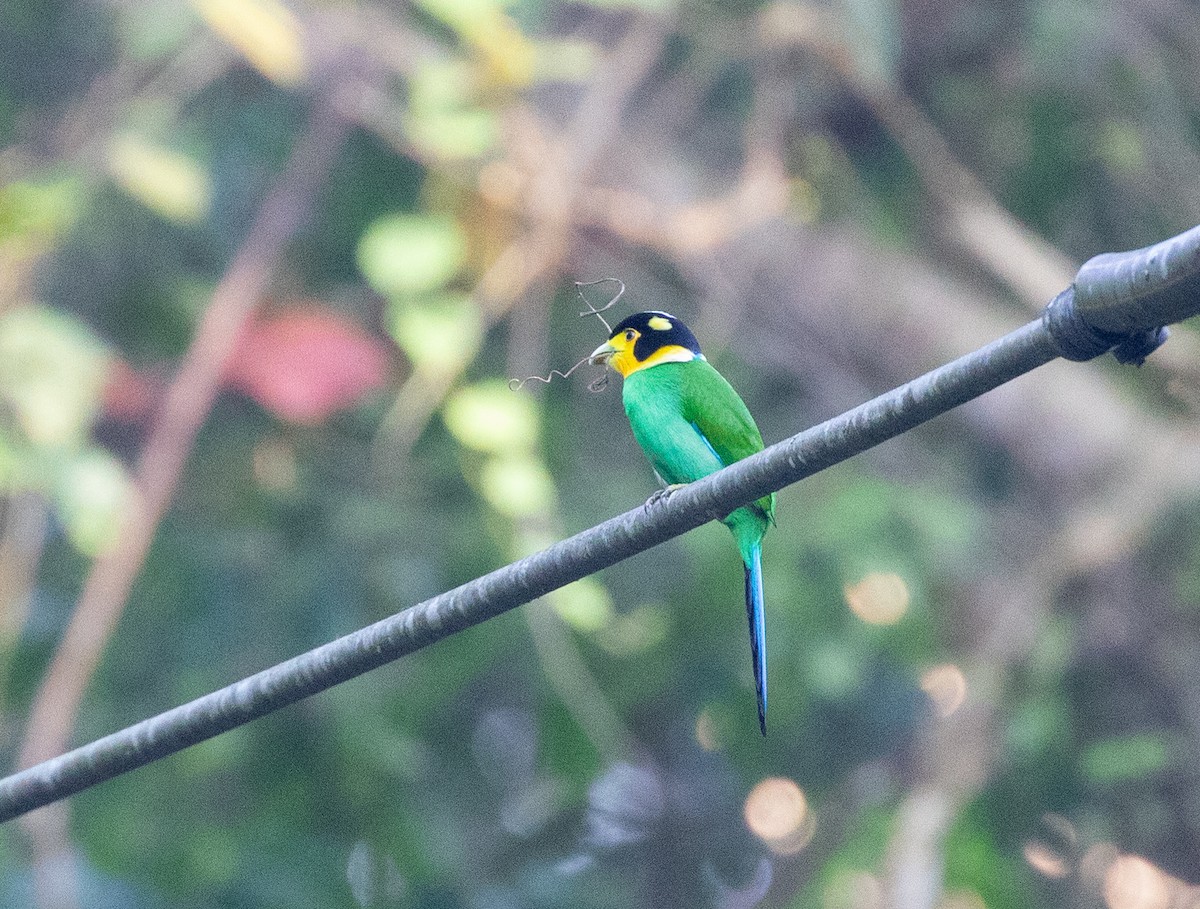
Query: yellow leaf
x=171, y=184
x=406, y=255
x=517, y=486
x=264, y=31
x=439, y=336
x=489, y=417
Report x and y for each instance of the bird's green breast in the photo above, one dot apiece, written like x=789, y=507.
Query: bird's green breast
x=691, y=423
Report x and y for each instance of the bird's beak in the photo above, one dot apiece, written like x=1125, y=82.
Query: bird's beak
x=602, y=354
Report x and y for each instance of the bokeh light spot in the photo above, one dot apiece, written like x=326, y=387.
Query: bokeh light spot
x=946, y=687
x=91, y=498
x=52, y=373
x=879, y=599
x=517, y=486
x=1045, y=860
x=1131, y=882
x=776, y=811
x=584, y=605
x=405, y=255
x=440, y=335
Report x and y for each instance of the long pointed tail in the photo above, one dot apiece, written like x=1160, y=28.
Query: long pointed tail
x=758, y=629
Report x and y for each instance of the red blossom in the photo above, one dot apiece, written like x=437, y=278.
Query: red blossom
x=304, y=363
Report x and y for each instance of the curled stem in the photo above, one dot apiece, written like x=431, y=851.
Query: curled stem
x=601, y=382
x=591, y=310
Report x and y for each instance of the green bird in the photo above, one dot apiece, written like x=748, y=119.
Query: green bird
x=690, y=422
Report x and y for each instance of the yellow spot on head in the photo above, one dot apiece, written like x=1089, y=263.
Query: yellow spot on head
x=658, y=323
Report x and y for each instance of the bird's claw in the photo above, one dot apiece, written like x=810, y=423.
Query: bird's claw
x=661, y=495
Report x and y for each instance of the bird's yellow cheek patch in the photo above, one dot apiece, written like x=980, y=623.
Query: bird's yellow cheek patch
x=623, y=362
x=622, y=354
x=670, y=353
x=658, y=323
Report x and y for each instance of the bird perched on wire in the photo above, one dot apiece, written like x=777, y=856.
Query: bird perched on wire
x=690, y=422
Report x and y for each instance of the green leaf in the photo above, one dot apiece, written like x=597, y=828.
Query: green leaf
x=490, y=417
x=52, y=371
x=455, y=135
x=1129, y=757
x=440, y=335
x=407, y=255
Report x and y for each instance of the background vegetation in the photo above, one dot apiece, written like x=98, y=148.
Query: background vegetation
x=264, y=273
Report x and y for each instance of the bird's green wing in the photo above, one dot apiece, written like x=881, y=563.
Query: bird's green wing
x=722, y=418
x=718, y=412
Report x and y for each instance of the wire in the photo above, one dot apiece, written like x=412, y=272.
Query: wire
x=782, y=464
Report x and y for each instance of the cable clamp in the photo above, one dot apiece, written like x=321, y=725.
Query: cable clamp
x=1079, y=341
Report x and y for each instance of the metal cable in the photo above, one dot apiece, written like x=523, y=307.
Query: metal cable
x=1122, y=312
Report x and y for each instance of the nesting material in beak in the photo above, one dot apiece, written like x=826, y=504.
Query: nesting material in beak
x=601, y=355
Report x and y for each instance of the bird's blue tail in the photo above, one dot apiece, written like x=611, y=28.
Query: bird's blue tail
x=758, y=629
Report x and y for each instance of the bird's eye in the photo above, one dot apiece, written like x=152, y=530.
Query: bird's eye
x=629, y=334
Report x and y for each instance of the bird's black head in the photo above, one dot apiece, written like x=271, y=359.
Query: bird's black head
x=647, y=339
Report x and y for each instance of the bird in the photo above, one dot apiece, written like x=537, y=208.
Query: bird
x=690, y=423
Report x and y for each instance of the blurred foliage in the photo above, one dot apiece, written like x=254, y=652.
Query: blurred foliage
x=984, y=637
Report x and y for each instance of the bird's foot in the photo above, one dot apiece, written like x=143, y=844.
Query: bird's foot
x=661, y=495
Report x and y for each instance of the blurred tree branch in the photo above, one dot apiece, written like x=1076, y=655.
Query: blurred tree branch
x=191, y=394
